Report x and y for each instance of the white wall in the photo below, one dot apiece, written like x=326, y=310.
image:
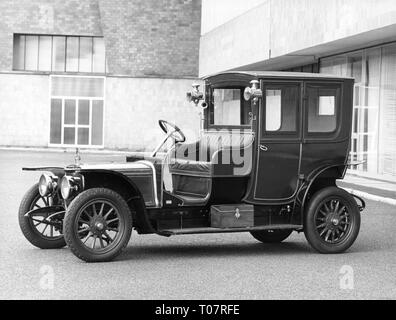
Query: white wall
x=134, y=105
x=241, y=41
x=287, y=33
x=24, y=110
x=218, y=12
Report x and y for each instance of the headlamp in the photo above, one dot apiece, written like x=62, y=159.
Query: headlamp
x=66, y=187
x=47, y=184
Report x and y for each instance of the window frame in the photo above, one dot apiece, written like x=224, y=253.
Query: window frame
x=280, y=135
x=52, y=70
x=210, y=98
x=76, y=125
x=330, y=135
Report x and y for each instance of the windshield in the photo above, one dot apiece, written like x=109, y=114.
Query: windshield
x=228, y=108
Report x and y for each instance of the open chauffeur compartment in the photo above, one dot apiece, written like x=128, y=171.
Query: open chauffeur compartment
x=232, y=216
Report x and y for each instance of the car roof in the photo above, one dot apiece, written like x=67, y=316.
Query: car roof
x=279, y=74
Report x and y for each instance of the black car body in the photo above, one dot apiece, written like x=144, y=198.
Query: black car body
x=273, y=145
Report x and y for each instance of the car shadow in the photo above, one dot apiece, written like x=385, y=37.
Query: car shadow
x=213, y=250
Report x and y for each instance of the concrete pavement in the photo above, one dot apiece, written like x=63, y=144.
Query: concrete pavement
x=382, y=188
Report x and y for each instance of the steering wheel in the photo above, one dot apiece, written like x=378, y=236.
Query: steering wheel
x=172, y=130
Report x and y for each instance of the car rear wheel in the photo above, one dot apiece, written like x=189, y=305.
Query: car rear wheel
x=42, y=229
x=98, y=225
x=332, y=220
x=271, y=236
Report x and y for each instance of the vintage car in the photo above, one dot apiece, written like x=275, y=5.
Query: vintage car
x=271, y=147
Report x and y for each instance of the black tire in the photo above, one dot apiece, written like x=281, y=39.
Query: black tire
x=271, y=236
x=28, y=229
x=77, y=236
x=330, y=227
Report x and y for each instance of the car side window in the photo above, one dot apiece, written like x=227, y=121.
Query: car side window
x=322, y=108
x=228, y=107
x=281, y=109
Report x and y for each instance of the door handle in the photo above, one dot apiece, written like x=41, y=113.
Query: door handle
x=263, y=147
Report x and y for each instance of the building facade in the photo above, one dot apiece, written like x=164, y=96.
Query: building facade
x=96, y=73
x=344, y=37
x=99, y=74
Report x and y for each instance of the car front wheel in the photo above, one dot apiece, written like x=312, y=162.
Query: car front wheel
x=332, y=220
x=98, y=225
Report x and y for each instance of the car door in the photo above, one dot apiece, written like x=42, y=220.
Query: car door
x=279, y=142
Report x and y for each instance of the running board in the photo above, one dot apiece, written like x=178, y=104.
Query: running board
x=173, y=232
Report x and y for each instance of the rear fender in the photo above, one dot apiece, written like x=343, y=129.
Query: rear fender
x=320, y=178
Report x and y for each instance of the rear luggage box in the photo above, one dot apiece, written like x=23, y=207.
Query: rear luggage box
x=232, y=216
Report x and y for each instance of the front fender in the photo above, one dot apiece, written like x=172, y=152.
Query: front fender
x=136, y=185
x=58, y=171
x=128, y=188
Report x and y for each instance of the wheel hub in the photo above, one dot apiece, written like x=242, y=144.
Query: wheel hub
x=99, y=226
x=335, y=221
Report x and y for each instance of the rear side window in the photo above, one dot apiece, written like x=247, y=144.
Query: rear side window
x=281, y=108
x=323, y=108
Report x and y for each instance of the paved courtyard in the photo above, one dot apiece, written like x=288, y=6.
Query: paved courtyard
x=219, y=266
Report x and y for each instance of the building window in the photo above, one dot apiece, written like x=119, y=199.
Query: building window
x=311, y=68
x=374, y=108
x=77, y=108
x=59, y=53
